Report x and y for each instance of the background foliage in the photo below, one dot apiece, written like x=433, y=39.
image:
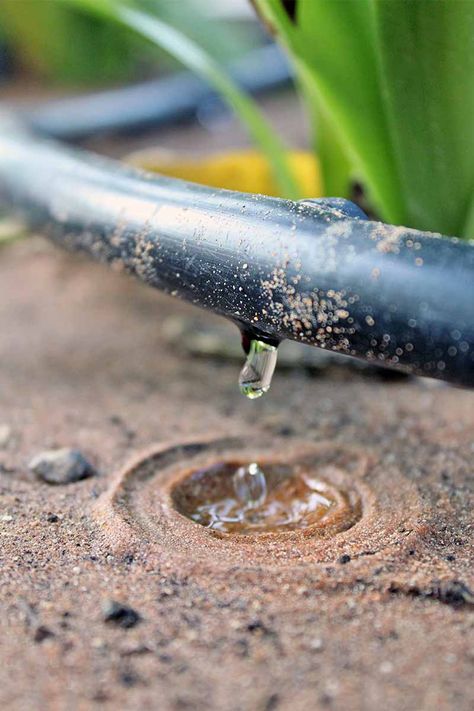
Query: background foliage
x=390, y=88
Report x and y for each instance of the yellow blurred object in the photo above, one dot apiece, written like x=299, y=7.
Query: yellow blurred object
x=245, y=171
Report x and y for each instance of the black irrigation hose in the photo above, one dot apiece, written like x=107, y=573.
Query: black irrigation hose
x=318, y=273
x=157, y=102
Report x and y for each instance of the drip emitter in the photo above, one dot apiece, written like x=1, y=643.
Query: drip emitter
x=315, y=271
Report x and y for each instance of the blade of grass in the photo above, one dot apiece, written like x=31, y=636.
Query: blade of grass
x=195, y=58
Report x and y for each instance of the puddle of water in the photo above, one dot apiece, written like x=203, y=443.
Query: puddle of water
x=241, y=498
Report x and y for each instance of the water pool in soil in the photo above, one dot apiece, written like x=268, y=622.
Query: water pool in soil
x=221, y=498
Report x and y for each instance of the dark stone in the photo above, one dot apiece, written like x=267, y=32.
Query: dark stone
x=165, y=658
x=272, y=702
x=454, y=593
x=120, y=615
x=100, y=696
x=61, y=466
x=52, y=518
x=42, y=633
x=325, y=700
x=256, y=626
x=136, y=651
x=344, y=559
x=451, y=592
x=285, y=431
x=129, y=678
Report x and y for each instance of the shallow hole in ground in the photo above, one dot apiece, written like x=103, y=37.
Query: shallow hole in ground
x=161, y=504
x=244, y=498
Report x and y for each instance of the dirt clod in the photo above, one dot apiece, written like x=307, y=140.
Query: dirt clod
x=42, y=633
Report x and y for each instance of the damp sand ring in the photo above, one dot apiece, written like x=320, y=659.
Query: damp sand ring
x=380, y=514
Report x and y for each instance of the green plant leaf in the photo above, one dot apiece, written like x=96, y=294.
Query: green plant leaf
x=393, y=81
x=426, y=52
x=333, y=47
x=336, y=168
x=195, y=58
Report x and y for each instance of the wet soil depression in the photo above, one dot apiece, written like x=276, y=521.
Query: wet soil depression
x=288, y=498
x=349, y=616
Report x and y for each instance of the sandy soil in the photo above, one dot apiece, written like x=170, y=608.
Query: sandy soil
x=376, y=616
x=280, y=624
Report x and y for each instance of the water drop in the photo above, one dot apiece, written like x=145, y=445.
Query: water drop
x=250, y=485
x=256, y=375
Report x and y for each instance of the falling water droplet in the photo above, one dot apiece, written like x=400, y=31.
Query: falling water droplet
x=250, y=485
x=256, y=375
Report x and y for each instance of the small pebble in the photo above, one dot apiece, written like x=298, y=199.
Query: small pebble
x=120, y=615
x=42, y=633
x=52, y=518
x=386, y=667
x=129, y=678
x=61, y=466
x=6, y=518
x=5, y=435
x=344, y=559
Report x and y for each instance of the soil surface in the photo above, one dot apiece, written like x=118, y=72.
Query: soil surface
x=110, y=598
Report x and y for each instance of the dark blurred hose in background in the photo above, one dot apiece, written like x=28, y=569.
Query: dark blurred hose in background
x=156, y=102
